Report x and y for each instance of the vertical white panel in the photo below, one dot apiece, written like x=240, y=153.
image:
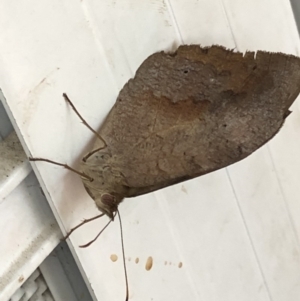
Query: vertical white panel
x=268, y=203
x=202, y=22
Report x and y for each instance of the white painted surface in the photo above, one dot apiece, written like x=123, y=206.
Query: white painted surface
x=236, y=231
x=29, y=233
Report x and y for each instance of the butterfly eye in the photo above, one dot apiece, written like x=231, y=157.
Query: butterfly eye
x=108, y=199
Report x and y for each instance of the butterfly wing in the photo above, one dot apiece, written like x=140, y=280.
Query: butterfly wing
x=195, y=111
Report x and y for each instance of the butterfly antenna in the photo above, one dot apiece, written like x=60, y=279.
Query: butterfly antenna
x=89, y=243
x=123, y=254
x=82, y=119
x=82, y=174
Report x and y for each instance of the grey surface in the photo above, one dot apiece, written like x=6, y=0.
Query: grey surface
x=296, y=9
x=71, y=272
x=5, y=124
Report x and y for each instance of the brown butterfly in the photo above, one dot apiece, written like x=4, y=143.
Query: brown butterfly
x=185, y=114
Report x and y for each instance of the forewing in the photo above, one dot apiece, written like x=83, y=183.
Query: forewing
x=197, y=110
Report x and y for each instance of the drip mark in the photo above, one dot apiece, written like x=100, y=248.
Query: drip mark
x=149, y=263
x=113, y=257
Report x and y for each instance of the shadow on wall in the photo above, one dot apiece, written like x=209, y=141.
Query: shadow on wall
x=5, y=124
x=296, y=10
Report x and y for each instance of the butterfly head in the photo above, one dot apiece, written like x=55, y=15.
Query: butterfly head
x=106, y=202
x=103, y=183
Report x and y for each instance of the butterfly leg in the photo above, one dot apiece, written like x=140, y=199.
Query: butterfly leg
x=81, y=224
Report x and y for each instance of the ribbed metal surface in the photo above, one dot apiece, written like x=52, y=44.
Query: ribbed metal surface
x=34, y=289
